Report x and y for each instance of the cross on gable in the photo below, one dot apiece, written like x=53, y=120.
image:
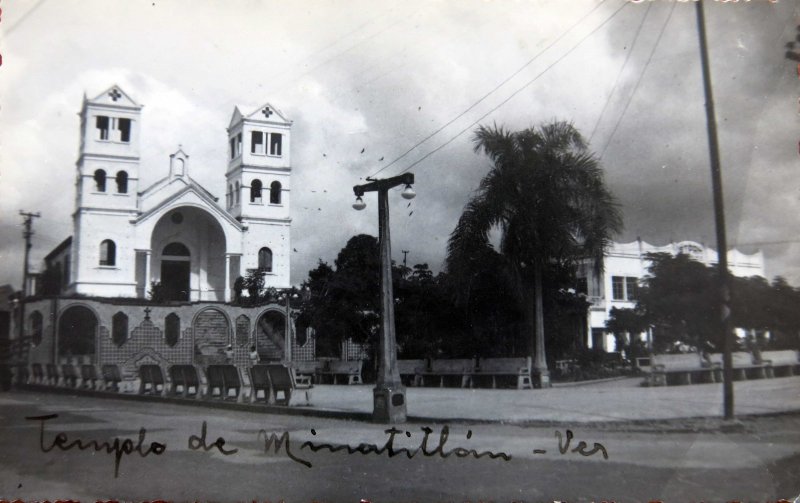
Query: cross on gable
x=147, y=313
x=115, y=95
x=267, y=112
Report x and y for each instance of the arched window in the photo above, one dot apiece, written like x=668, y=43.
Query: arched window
x=265, y=260
x=176, y=250
x=119, y=328
x=122, y=182
x=236, y=194
x=100, y=180
x=108, y=253
x=36, y=327
x=172, y=329
x=255, y=191
x=275, y=193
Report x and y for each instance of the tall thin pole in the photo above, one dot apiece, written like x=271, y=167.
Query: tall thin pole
x=719, y=217
x=388, y=373
x=388, y=396
x=27, y=233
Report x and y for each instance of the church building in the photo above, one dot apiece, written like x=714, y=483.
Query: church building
x=149, y=275
x=175, y=233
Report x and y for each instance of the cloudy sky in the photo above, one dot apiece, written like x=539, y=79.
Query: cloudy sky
x=408, y=81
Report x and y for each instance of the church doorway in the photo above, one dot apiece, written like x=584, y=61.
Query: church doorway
x=175, y=279
x=175, y=271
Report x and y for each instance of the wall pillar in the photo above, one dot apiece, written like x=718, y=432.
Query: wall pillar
x=148, y=254
x=227, y=277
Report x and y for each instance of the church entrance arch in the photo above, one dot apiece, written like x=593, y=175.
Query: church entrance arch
x=188, y=255
x=77, y=333
x=175, y=271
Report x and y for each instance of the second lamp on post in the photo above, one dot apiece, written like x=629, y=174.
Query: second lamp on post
x=389, y=394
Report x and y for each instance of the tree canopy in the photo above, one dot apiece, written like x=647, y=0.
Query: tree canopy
x=679, y=301
x=546, y=196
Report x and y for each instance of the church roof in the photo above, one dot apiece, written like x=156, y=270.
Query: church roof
x=204, y=195
x=114, y=96
x=266, y=113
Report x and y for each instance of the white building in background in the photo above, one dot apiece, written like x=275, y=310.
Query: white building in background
x=175, y=232
x=625, y=266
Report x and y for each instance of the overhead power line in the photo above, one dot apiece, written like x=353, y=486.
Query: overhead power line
x=639, y=80
x=621, y=70
x=515, y=93
x=492, y=91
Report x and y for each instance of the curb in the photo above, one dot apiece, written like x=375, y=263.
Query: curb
x=687, y=424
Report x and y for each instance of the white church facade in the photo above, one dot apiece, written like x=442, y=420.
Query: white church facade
x=149, y=275
x=175, y=233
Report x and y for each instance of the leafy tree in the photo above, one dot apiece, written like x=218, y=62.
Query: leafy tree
x=546, y=196
x=628, y=321
x=679, y=298
x=254, y=284
x=426, y=321
x=785, y=316
x=345, y=302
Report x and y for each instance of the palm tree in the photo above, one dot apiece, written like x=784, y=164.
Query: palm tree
x=546, y=196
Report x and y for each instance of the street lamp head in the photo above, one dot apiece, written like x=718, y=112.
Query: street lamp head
x=408, y=192
x=359, y=204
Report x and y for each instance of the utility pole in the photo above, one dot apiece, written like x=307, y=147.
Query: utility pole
x=719, y=217
x=27, y=233
x=405, y=255
x=389, y=394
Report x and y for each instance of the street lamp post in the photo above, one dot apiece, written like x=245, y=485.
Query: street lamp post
x=287, y=337
x=389, y=394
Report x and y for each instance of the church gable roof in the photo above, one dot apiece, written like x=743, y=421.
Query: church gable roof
x=236, y=118
x=268, y=113
x=190, y=187
x=113, y=96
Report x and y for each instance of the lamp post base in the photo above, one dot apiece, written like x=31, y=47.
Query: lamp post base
x=541, y=379
x=389, y=404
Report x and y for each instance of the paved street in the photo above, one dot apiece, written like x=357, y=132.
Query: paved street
x=676, y=460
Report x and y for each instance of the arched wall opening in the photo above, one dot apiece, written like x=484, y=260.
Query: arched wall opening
x=188, y=255
x=77, y=333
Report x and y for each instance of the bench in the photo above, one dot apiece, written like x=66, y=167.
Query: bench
x=744, y=366
x=89, y=378
x=781, y=363
x=259, y=381
x=223, y=378
x=151, y=380
x=510, y=371
x=282, y=380
x=686, y=368
x=111, y=376
x=69, y=376
x=184, y=377
x=643, y=363
x=450, y=371
x=52, y=374
x=411, y=371
x=38, y=373
x=350, y=370
x=307, y=372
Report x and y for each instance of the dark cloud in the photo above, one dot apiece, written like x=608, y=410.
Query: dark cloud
x=378, y=78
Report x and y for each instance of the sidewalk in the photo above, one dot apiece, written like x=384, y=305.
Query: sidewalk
x=617, y=400
x=609, y=401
